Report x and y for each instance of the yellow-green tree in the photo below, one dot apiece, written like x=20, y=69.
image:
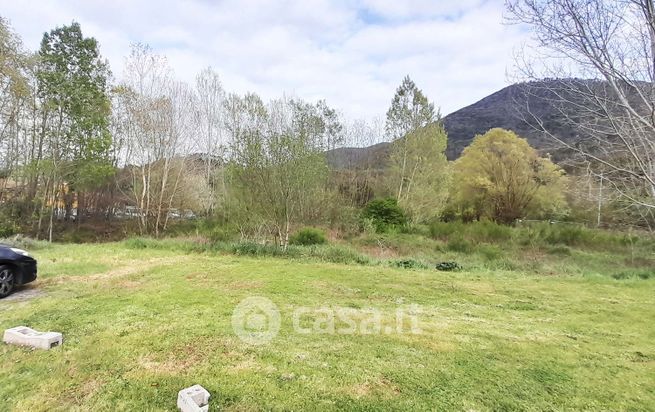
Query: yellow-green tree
x=501, y=177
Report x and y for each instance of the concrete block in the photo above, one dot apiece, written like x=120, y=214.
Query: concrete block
x=193, y=399
x=24, y=336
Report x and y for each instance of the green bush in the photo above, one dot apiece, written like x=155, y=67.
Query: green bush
x=445, y=229
x=385, y=214
x=568, y=235
x=7, y=227
x=487, y=231
x=409, y=264
x=490, y=252
x=459, y=244
x=308, y=236
x=221, y=234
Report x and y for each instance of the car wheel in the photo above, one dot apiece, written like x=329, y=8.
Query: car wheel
x=6, y=281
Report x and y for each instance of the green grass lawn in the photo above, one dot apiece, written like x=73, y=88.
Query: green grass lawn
x=139, y=325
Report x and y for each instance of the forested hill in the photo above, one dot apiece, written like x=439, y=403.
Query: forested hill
x=506, y=108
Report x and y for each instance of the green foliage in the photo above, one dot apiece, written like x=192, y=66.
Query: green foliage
x=499, y=176
x=221, y=234
x=409, y=264
x=485, y=231
x=325, y=252
x=308, y=236
x=409, y=111
x=490, y=252
x=278, y=161
x=8, y=227
x=444, y=229
x=385, y=214
x=569, y=235
x=73, y=81
x=419, y=173
x=461, y=245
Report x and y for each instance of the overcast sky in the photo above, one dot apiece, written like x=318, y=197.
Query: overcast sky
x=351, y=53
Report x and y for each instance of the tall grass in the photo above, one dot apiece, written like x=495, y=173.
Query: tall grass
x=464, y=236
x=326, y=253
x=24, y=242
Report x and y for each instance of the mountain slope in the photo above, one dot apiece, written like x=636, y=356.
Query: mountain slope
x=513, y=108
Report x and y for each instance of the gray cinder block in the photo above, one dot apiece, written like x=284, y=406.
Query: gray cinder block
x=193, y=399
x=24, y=336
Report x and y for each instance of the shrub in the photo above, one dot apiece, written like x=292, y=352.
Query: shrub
x=566, y=234
x=409, y=264
x=8, y=226
x=385, y=214
x=221, y=234
x=487, y=231
x=308, y=236
x=490, y=252
x=367, y=226
x=459, y=244
x=445, y=229
x=448, y=266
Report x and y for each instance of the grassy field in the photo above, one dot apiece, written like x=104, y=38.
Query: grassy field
x=142, y=323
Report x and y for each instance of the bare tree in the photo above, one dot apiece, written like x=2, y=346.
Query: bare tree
x=611, y=45
x=211, y=135
x=155, y=116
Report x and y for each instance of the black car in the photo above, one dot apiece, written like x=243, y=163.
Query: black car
x=17, y=268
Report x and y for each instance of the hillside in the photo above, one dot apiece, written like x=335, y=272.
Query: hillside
x=513, y=108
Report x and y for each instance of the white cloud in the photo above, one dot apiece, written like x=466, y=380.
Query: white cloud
x=351, y=53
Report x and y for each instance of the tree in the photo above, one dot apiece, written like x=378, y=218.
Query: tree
x=612, y=42
x=278, y=164
x=499, y=176
x=72, y=82
x=418, y=166
x=15, y=93
x=154, y=116
x=210, y=95
x=409, y=111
